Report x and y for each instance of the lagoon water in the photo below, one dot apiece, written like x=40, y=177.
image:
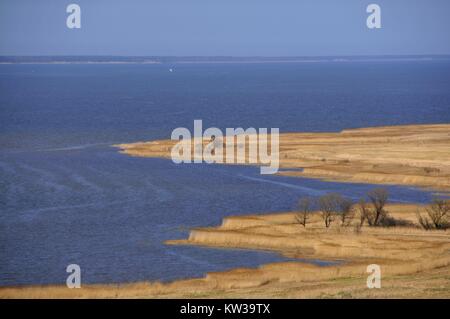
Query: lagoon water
x=67, y=196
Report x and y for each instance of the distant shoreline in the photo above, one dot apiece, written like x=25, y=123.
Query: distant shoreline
x=211, y=59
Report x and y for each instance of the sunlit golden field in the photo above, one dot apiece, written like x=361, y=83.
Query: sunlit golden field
x=414, y=263
x=416, y=155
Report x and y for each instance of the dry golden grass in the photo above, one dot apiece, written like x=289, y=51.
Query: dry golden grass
x=281, y=233
x=415, y=263
x=407, y=155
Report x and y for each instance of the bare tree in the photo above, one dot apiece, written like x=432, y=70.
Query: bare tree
x=364, y=212
x=424, y=221
x=305, y=205
x=345, y=210
x=378, y=197
x=328, y=205
x=438, y=213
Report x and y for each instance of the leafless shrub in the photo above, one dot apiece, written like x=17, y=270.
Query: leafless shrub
x=424, y=222
x=328, y=205
x=378, y=197
x=345, y=210
x=334, y=205
x=437, y=215
x=305, y=205
x=389, y=221
x=364, y=211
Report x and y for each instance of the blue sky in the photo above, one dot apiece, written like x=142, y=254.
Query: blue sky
x=224, y=27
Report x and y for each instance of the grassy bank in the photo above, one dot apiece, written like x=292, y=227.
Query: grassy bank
x=415, y=263
x=417, y=155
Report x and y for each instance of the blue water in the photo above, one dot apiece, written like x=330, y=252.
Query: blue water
x=67, y=196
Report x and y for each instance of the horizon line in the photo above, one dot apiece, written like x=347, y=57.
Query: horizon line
x=228, y=56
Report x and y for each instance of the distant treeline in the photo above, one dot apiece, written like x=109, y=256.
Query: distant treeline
x=211, y=59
